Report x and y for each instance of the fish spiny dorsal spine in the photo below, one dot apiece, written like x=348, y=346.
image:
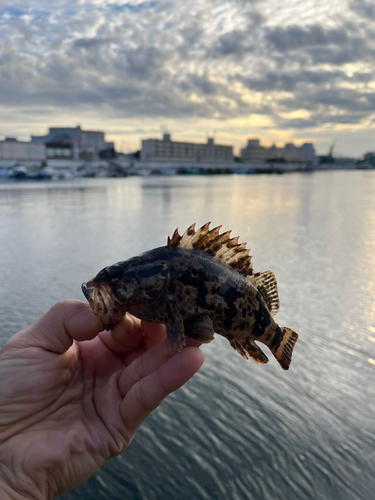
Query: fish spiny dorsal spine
x=220, y=246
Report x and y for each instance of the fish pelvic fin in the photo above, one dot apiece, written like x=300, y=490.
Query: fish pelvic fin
x=248, y=348
x=200, y=329
x=174, y=327
x=282, y=345
x=267, y=285
x=221, y=246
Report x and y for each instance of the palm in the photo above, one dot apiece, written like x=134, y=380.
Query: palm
x=62, y=414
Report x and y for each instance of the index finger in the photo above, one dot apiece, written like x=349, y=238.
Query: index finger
x=154, y=333
x=131, y=335
x=125, y=337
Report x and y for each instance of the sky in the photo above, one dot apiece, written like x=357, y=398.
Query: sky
x=291, y=71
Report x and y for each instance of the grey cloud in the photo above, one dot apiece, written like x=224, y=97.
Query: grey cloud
x=328, y=106
x=353, y=52
x=62, y=83
x=345, y=99
x=144, y=60
x=238, y=42
x=314, y=45
x=270, y=81
x=202, y=84
x=317, y=120
x=232, y=43
x=151, y=65
x=191, y=33
x=296, y=37
x=363, y=8
x=88, y=43
x=290, y=80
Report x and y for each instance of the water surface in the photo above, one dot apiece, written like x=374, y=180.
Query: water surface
x=237, y=430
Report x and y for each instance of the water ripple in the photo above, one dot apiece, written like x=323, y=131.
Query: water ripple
x=237, y=430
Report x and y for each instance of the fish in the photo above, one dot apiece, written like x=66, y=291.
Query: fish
x=199, y=284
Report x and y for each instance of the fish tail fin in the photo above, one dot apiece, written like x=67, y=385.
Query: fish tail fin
x=248, y=348
x=283, y=344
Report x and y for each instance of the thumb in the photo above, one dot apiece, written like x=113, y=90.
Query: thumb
x=66, y=321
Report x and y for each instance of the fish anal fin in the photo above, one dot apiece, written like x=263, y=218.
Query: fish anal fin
x=219, y=246
x=200, y=329
x=249, y=348
x=267, y=285
x=174, y=326
x=283, y=344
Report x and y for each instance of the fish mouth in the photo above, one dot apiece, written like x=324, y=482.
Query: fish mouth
x=100, y=300
x=88, y=291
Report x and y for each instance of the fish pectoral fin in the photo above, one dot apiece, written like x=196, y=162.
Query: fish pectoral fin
x=249, y=348
x=174, y=326
x=162, y=294
x=200, y=329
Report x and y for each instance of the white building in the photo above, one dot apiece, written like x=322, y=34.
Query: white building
x=255, y=152
x=292, y=153
x=289, y=153
x=156, y=150
x=308, y=151
x=84, y=144
x=14, y=150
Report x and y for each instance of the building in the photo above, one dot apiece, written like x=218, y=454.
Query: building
x=159, y=150
x=255, y=152
x=83, y=144
x=289, y=153
x=14, y=150
x=308, y=151
x=292, y=153
x=59, y=151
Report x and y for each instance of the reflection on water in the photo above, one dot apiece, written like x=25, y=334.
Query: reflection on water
x=237, y=430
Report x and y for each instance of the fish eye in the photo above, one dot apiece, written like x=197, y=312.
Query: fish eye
x=101, y=274
x=114, y=273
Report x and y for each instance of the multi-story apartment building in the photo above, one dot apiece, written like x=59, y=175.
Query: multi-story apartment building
x=254, y=151
x=289, y=153
x=308, y=151
x=12, y=149
x=167, y=150
x=84, y=144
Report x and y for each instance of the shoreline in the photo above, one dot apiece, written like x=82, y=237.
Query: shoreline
x=69, y=169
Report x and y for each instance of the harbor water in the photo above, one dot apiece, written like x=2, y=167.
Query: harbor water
x=237, y=430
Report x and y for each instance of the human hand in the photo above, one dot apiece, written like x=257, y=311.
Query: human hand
x=71, y=397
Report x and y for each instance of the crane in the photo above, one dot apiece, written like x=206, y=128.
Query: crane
x=330, y=153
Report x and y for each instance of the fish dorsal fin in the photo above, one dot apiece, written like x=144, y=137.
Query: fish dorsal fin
x=267, y=285
x=220, y=246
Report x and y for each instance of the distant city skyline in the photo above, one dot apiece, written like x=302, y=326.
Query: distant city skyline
x=300, y=71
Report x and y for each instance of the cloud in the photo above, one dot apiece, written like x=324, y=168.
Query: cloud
x=291, y=80
x=10, y=13
x=231, y=43
x=296, y=37
x=205, y=59
x=363, y=8
x=88, y=43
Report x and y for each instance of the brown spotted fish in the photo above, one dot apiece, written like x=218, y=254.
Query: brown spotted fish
x=200, y=283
